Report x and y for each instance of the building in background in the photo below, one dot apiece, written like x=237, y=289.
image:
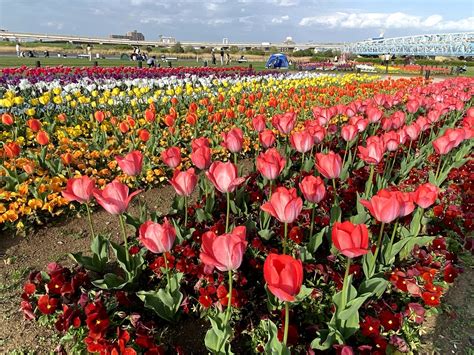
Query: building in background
x=133, y=36
x=166, y=40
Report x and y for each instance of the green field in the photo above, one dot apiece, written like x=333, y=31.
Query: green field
x=11, y=61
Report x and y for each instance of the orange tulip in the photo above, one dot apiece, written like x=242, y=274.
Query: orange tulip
x=42, y=138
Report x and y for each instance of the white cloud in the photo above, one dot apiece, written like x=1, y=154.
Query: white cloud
x=54, y=24
x=285, y=3
x=156, y=20
x=396, y=20
x=280, y=19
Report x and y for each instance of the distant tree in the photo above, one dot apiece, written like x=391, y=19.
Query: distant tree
x=190, y=49
x=177, y=48
x=234, y=49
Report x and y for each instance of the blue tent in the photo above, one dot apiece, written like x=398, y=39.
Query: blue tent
x=277, y=60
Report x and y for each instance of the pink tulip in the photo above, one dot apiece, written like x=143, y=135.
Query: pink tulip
x=301, y=141
x=79, y=189
x=352, y=240
x=317, y=132
x=413, y=131
x=267, y=138
x=224, y=176
x=406, y=203
x=391, y=140
x=184, y=182
x=384, y=206
x=270, y=164
x=258, y=123
x=373, y=114
x=425, y=195
x=313, y=188
x=132, y=163
x=224, y=252
x=329, y=165
x=114, y=198
x=199, y=142
x=201, y=157
x=157, y=238
x=443, y=145
x=373, y=153
x=233, y=140
x=284, y=205
x=284, y=122
x=349, y=132
x=171, y=157
x=413, y=106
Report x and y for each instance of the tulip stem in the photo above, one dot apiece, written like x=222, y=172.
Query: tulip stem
x=124, y=235
x=167, y=270
x=270, y=193
x=369, y=186
x=287, y=321
x=379, y=242
x=392, y=238
x=235, y=159
x=284, y=238
x=345, y=286
x=185, y=211
x=302, y=161
x=345, y=154
x=312, y=221
x=89, y=218
x=439, y=166
x=335, y=191
x=229, y=302
x=228, y=212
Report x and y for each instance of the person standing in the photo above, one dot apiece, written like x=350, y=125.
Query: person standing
x=89, y=52
x=17, y=47
x=213, y=57
x=222, y=56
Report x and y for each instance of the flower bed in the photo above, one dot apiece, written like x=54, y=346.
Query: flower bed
x=341, y=238
x=54, y=129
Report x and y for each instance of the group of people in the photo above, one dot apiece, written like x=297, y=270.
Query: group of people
x=222, y=54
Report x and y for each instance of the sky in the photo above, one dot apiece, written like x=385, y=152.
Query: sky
x=240, y=20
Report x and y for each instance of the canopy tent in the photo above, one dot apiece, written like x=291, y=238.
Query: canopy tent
x=277, y=60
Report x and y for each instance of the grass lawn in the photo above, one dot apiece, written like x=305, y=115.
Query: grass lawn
x=12, y=61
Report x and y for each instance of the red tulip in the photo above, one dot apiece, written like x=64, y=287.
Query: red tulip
x=349, y=132
x=201, y=157
x=301, y=141
x=267, y=138
x=284, y=205
x=184, y=182
x=224, y=252
x=149, y=115
x=270, y=164
x=224, y=176
x=79, y=189
x=171, y=157
x=384, y=206
x=7, y=119
x=12, y=150
x=132, y=163
x=352, y=240
x=114, y=198
x=284, y=276
x=34, y=124
x=233, y=140
x=144, y=135
x=373, y=153
x=284, y=122
x=258, y=123
x=99, y=116
x=313, y=188
x=157, y=238
x=42, y=138
x=425, y=195
x=124, y=127
x=329, y=165
x=455, y=135
x=317, y=132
